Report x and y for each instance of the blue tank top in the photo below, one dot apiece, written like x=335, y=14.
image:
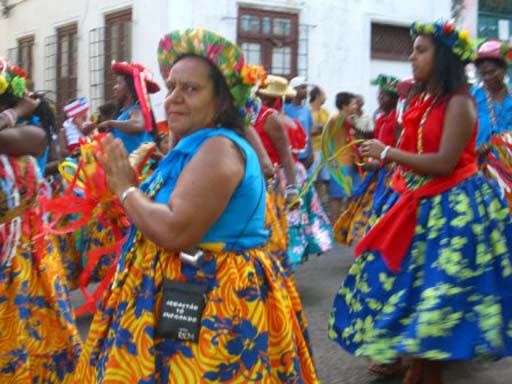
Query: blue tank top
x=241, y=225
x=43, y=158
x=131, y=142
x=485, y=126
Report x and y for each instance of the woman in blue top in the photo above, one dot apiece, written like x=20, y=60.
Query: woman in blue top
x=134, y=123
x=196, y=298
x=494, y=102
x=493, y=96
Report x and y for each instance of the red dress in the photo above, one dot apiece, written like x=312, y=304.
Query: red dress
x=296, y=135
x=432, y=130
x=386, y=127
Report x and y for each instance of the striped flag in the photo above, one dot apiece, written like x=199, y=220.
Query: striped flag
x=76, y=108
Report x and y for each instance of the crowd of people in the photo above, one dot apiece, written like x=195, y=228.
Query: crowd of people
x=190, y=230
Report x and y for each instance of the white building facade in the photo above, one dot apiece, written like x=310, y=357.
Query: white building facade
x=67, y=45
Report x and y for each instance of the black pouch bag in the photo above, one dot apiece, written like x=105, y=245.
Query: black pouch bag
x=181, y=311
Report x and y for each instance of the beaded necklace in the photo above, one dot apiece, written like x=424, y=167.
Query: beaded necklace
x=490, y=103
x=423, y=121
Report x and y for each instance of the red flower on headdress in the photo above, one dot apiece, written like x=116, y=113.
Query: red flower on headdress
x=18, y=71
x=449, y=28
x=213, y=51
x=507, y=51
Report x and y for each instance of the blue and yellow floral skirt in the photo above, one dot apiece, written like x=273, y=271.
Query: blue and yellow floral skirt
x=451, y=300
x=249, y=329
x=39, y=342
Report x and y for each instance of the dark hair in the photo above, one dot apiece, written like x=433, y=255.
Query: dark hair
x=343, y=99
x=8, y=99
x=448, y=73
x=498, y=62
x=314, y=93
x=394, y=96
x=128, y=79
x=228, y=115
x=44, y=112
x=108, y=110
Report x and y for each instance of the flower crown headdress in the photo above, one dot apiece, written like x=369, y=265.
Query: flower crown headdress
x=447, y=34
x=240, y=77
x=13, y=79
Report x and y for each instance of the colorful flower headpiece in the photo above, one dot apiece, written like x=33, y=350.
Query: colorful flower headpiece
x=447, y=34
x=387, y=83
x=226, y=56
x=12, y=79
x=494, y=49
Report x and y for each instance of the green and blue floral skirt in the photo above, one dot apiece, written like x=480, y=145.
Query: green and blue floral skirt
x=452, y=299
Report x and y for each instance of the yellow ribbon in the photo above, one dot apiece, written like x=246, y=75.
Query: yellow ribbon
x=68, y=176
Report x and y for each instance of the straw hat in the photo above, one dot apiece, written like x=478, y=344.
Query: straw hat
x=277, y=86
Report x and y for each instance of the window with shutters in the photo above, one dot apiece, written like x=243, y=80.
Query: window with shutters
x=495, y=21
x=117, y=44
x=50, y=66
x=496, y=6
x=25, y=55
x=66, y=70
x=390, y=42
x=271, y=39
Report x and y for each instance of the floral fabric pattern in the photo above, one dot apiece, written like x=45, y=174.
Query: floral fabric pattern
x=276, y=221
x=39, y=342
x=248, y=311
x=310, y=231
x=354, y=222
x=252, y=327
x=448, y=301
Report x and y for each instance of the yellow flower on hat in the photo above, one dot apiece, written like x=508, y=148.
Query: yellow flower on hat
x=464, y=35
x=428, y=28
x=3, y=84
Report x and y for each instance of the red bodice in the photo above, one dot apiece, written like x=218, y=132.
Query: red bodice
x=386, y=127
x=296, y=135
x=432, y=129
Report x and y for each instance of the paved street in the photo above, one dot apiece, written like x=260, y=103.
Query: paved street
x=317, y=280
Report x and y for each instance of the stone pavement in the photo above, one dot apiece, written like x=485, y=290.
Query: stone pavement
x=317, y=281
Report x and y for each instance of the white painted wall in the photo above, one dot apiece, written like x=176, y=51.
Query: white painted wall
x=339, y=37
x=469, y=17
x=340, y=49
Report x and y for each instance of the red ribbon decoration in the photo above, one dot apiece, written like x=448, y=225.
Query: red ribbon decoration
x=141, y=89
x=98, y=203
